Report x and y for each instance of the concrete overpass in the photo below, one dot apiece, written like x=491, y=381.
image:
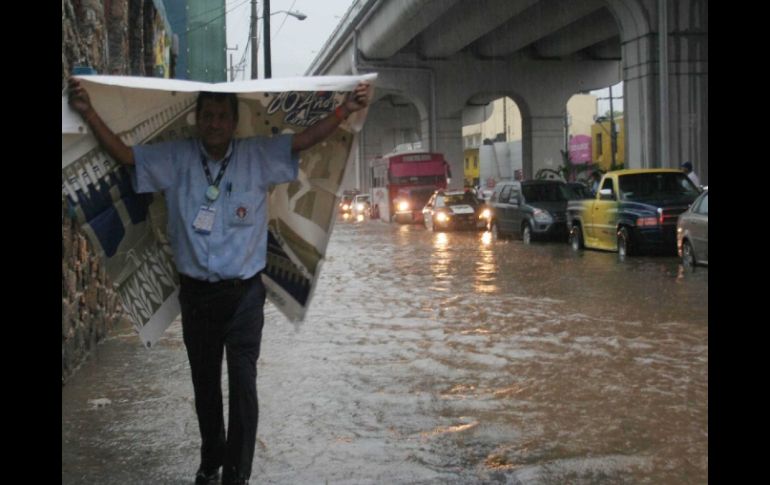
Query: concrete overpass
x=439, y=61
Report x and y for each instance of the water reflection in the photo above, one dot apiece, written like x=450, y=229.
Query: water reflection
x=486, y=238
x=486, y=266
x=440, y=259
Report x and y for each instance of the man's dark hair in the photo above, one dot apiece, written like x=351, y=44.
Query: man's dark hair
x=218, y=97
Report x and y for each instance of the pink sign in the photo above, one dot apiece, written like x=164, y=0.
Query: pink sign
x=580, y=149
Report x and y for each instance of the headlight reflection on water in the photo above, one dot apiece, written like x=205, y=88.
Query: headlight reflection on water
x=441, y=259
x=441, y=241
x=486, y=267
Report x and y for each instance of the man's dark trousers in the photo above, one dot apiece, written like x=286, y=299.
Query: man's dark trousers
x=220, y=316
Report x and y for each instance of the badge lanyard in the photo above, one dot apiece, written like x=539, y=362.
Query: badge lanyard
x=204, y=220
x=212, y=191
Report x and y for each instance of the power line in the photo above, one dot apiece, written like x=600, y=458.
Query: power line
x=196, y=16
x=242, y=62
x=285, y=17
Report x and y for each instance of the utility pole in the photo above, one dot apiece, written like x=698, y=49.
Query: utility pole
x=612, y=132
x=613, y=141
x=254, y=46
x=232, y=68
x=505, y=117
x=266, y=34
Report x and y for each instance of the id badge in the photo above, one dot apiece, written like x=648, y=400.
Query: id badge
x=204, y=221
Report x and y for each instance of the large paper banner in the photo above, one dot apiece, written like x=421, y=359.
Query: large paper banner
x=128, y=229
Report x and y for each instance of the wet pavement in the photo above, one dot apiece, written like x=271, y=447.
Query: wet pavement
x=433, y=358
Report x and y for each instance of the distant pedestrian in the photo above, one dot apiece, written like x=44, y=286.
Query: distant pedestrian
x=687, y=168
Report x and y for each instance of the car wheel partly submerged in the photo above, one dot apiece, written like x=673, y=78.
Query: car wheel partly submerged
x=625, y=247
x=495, y=231
x=576, y=238
x=526, y=234
x=688, y=255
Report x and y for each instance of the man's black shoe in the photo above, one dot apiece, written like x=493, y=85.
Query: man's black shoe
x=203, y=477
x=235, y=481
x=230, y=480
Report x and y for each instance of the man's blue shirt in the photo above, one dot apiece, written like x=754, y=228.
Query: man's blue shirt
x=237, y=244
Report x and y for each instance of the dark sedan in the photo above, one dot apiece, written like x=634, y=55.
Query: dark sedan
x=448, y=210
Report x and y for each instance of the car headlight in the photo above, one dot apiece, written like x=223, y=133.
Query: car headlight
x=485, y=214
x=542, y=216
x=345, y=207
x=360, y=207
x=442, y=217
x=403, y=205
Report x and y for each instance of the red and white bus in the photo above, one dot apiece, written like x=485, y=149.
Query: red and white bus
x=403, y=182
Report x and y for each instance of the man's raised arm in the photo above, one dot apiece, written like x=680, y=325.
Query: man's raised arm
x=109, y=141
x=356, y=100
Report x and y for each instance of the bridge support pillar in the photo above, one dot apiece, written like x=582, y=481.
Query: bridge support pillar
x=449, y=142
x=543, y=137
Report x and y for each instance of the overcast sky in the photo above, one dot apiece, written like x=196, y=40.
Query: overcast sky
x=294, y=43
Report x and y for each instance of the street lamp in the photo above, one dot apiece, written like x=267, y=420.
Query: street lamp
x=266, y=19
x=296, y=14
x=266, y=32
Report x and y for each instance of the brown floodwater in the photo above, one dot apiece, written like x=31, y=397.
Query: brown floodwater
x=434, y=358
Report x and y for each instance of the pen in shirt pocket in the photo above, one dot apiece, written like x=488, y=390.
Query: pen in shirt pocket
x=229, y=188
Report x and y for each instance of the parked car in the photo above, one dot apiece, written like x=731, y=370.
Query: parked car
x=634, y=212
x=529, y=209
x=692, y=232
x=457, y=209
x=361, y=205
x=346, y=203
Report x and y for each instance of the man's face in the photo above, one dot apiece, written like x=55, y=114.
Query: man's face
x=216, y=122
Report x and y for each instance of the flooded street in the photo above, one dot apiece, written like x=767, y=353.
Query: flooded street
x=433, y=358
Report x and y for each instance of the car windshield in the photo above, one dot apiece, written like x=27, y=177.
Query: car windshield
x=419, y=197
x=641, y=186
x=457, y=199
x=545, y=192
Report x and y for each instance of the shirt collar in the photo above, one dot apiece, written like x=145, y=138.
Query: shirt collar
x=209, y=157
